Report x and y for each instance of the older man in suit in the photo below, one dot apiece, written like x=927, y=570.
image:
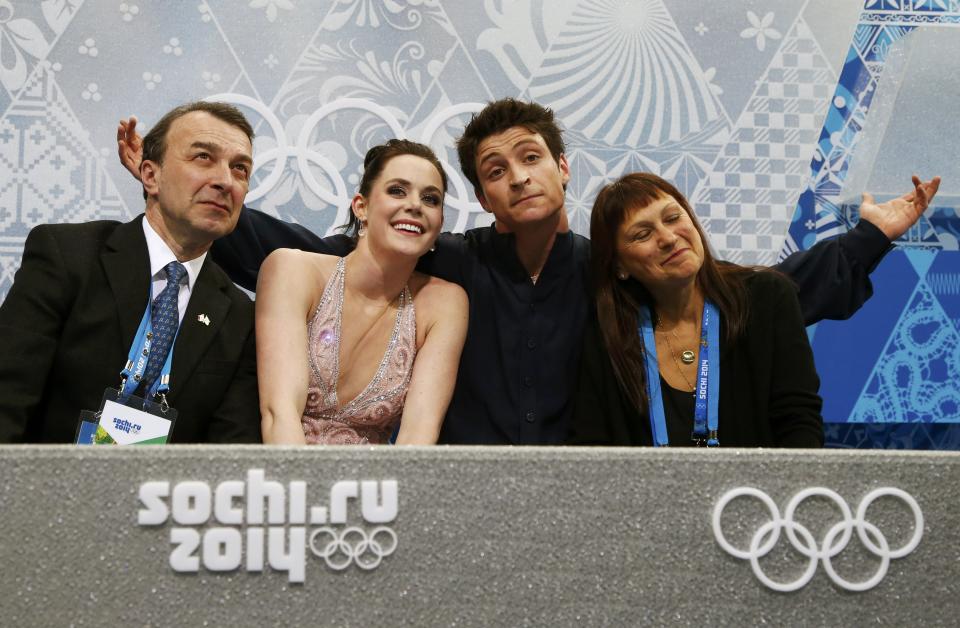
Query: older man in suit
x=72, y=317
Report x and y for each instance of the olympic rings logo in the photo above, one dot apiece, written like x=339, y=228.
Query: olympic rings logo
x=834, y=542
x=337, y=194
x=353, y=545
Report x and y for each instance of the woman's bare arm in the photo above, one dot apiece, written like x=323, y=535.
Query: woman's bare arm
x=286, y=292
x=435, y=369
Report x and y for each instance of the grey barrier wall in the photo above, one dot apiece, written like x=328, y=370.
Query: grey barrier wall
x=463, y=536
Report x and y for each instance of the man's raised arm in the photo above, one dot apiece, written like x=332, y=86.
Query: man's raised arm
x=833, y=277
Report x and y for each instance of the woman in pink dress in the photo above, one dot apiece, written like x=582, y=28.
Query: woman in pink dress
x=348, y=348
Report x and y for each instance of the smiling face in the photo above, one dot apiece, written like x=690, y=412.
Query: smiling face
x=521, y=183
x=404, y=209
x=195, y=195
x=659, y=245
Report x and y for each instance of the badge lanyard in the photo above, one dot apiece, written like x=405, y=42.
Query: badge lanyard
x=138, y=356
x=706, y=417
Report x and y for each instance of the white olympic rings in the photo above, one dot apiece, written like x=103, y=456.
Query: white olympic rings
x=277, y=155
x=336, y=194
x=352, y=545
x=767, y=535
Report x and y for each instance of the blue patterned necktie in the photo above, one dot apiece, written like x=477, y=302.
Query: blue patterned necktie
x=165, y=318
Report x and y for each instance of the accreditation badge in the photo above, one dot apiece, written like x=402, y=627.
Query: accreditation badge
x=86, y=427
x=127, y=421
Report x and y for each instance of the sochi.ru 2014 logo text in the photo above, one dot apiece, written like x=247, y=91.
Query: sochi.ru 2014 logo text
x=281, y=538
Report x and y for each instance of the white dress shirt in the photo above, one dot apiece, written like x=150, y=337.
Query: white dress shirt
x=160, y=256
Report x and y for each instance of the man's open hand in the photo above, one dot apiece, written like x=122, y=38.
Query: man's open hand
x=894, y=217
x=130, y=146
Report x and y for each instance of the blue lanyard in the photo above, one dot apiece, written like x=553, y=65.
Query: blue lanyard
x=706, y=417
x=139, y=355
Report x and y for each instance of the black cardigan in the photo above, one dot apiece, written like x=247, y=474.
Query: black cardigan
x=768, y=383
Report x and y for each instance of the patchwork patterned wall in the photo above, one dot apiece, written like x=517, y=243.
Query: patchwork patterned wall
x=771, y=117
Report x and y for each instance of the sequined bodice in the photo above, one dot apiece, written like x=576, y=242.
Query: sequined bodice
x=373, y=414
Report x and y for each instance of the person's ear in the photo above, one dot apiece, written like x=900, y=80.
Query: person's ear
x=564, y=169
x=150, y=176
x=359, y=207
x=482, y=200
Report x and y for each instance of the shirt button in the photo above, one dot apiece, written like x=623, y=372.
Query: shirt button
x=528, y=381
x=531, y=417
x=531, y=343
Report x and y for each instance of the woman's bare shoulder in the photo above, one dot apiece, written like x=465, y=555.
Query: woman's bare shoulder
x=293, y=276
x=436, y=294
x=297, y=263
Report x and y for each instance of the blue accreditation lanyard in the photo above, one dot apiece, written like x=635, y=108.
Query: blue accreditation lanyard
x=706, y=416
x=138, y=356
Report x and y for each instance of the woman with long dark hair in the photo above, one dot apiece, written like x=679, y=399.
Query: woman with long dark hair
x=684, y=349
x=348, y=348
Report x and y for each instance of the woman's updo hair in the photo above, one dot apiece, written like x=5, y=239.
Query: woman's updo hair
x=376, y=160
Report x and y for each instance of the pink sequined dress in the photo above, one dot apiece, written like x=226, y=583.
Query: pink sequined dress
x=372, y=416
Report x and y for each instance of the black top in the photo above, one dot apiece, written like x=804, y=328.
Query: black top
x=678, y=408
x=768, y=384
x=520, y=360
x=522, y=350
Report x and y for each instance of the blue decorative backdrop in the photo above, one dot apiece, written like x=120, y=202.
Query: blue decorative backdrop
x=771, y=116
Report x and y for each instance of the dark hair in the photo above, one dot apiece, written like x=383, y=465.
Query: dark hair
x=376, y=160
x=618, y=301
x=497, y=117
x=155, y=142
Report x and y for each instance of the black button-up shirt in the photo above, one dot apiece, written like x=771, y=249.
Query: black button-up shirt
x=520, y=359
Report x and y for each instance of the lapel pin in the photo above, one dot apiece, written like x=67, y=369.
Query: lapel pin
x=203, y=318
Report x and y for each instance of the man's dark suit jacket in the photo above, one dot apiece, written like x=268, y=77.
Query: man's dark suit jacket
x=70, y=317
